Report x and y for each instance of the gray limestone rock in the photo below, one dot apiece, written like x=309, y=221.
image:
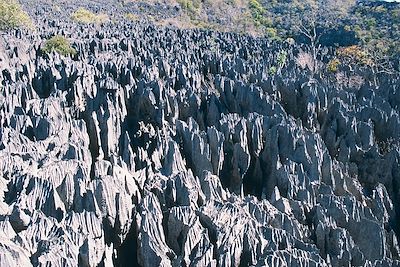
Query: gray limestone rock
x=156, y=146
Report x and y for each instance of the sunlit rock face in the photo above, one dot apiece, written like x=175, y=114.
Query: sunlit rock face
x=166, y=147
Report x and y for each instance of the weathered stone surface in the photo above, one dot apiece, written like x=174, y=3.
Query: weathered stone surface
x=166, y=147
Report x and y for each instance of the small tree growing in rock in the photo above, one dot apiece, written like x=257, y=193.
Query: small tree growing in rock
x=13, y=16
x=59, y=44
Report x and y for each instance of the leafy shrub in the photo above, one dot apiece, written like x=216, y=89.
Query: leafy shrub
x=333, y=65
x=370, y=22
x=256, y=6
x=59, y=44
x=272, y=70
x=12, y=16
x=354, y=55
x=272, y=33
x=85, y=16
x=258, y=12
x=131, y=17
x=282, y=57
x=396, y=15
x=189, y=5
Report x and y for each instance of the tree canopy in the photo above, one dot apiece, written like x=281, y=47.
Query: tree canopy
x=12, y=15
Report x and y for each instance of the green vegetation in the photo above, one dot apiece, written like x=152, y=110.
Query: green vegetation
x=272, y=70
x=373, y=39
x=192, y=6
x=354, y=55
x=12, y=16
x=59, y=44
x=281, y=58
x=333, y=65
x=259, y=14
x=375, y=26
x=85, y=16
x=272, y=33
x=378, y=28
x=131, y=17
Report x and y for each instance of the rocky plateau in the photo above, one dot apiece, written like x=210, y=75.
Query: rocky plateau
x=157, y=146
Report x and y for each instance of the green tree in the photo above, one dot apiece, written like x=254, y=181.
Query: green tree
x=59, y=44
x=13, y=16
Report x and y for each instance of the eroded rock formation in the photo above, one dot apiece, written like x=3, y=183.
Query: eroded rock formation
x=166, y=147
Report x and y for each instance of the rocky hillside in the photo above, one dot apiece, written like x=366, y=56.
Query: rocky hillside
x=154, y=146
